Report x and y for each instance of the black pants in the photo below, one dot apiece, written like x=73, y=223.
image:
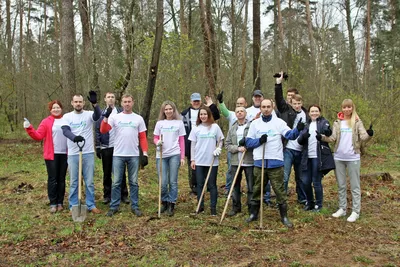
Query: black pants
x=236, y=198
x=106, y=159
x=56, y=171
x=191, y=176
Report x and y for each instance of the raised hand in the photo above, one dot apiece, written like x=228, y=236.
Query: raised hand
x=220, y=97
x=92, y=97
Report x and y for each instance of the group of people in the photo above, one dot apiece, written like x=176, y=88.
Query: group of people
x=268, y=138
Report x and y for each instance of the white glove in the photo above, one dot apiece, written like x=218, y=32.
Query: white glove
x=26, y=123
x=159, y=143
x=217, y=151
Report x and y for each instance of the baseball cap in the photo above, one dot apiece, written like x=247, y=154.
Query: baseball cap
x=195, y=97
x=257, y=93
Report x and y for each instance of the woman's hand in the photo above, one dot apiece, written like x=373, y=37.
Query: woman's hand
x=193, y=165
x=182, y=162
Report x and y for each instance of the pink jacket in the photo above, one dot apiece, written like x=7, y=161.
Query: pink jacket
x=44, y=131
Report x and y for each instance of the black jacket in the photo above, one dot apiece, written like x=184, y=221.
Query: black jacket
x=102, y=140
x=324, y=153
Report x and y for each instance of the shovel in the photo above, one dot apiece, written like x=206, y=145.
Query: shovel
x=79, y=211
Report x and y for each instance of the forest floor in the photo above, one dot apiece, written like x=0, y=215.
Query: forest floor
x=31, y=236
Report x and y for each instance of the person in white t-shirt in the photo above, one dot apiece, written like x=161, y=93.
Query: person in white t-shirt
x=254, y=112
x=269, y=129
x=79, y=128
x=348, y=133
x=129, y=132
x=206, y=143
x=170, y=127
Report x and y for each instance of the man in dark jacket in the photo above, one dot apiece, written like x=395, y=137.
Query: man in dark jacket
x=104, y=151
x=189, y=118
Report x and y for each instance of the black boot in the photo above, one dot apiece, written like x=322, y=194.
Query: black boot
x=255, y=208
x=164, y=206
x=309, y=206
x=284, y=218
x=170, y=211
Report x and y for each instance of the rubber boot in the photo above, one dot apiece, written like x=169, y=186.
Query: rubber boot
x=164, y=206
x=284, y=218
x=170, y=211
x=309, y=206
x=255, y=208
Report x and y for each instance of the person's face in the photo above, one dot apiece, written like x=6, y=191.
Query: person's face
x=266, y=107
x=289, y=96
x=314, y=113
x=297, y=104
x=77, y=103
x=127, y=104
x=203, y=115
x=257, y=100
x=195, y=104
x=168, y=111
x=240, y=113
x=241, y=102
x=56, y=110
x=109, y=99
x=347, y=110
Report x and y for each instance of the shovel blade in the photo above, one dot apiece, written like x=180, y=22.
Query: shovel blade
x=79, y=213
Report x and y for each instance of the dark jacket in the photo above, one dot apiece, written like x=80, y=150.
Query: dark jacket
x=103, y=140
x=324, y=153
x=188, y=126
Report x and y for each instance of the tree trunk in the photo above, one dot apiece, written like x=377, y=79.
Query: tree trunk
x=173, y=15
x=8, y=36
x=367, y=58
x=352, y=46
x=310, y=30
x=184, y=66
x=151, y=82
x=256, y=45
x=242, y=88
x=57, y=34
x=108, y=34
x=213, y=48
x=67, y=49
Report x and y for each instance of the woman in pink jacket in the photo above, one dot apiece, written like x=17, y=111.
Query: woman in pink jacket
x=54, y=153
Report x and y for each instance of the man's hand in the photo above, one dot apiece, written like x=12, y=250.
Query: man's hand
x=242, y=149
x=217, y=152
x=108, y=112
x=145, y=160
x=242, y=142
x=263, y=139
x=26, y=123
x=92, y=97
x=78, y=139
x=370, y=132
x=98, y=152
x=220, y=97
x=305, y=135
x=300, y=125
x=280, y=78
x=193, y=165
x=209, y=101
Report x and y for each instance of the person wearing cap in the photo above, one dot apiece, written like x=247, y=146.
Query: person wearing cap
x=253, y=112
x=189, y=118
x=292, y=114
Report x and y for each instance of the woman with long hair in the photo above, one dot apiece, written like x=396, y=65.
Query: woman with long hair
x=206, y=144
x=317, y=159
x=170, y=127
x=348, y=133
x=54, y=153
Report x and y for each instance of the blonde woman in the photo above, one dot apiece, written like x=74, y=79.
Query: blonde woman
x=348, y=132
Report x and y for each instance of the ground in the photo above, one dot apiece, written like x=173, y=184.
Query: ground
x=30, y=235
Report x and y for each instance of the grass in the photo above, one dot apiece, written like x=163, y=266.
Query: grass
x=31, y=236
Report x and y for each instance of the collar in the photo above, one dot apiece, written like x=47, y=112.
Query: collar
x=266, y=118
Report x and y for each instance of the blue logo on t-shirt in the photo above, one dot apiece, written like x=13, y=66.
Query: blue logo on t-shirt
x=130, y=124
x=78, y=125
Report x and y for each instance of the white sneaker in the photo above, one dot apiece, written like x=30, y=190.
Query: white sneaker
x=353, y=217
x=340, y=212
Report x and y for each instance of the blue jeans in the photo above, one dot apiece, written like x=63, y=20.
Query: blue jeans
x=201, y=175
x=293, y=157
x=229, y=177
x=132, y=164
x=169, y=181
x=87, y=173
x=312, y=175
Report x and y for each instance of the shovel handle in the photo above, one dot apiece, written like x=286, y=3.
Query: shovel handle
x=81, y=146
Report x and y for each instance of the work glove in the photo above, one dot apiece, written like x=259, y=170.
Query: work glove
x=318, y=136
x=305, y=135
x=98, y=152
x=328, y=131
x=220, y=97
x=300, y=125
x=159, y=143
x=78, y=139
x=217, y=152
x=145, y=161
x=26, y=123
x=108, y=112
x=242, y=142
x=92, y=97
x=263, y=139
x=370, y=132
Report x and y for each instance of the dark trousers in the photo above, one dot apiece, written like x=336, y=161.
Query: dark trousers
x=236, y=198
x=106, y=159
x=191, y=176
x=201, y=175
x=56, y=171
x=312, y=177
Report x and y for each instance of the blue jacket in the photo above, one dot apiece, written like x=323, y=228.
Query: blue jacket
x=324, y=153
x=103, y=140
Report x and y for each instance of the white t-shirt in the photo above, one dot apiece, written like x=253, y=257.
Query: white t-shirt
x=293, y=144
x=59, y=139
x=239, y=134
x=170, y=130
x=345, y=150
x=80, y=124
x=206, y=138
x=252, y=112
x=312, y=141
x=193, y=116
x=111, y=139
x=127, y=128
x=275, y=129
